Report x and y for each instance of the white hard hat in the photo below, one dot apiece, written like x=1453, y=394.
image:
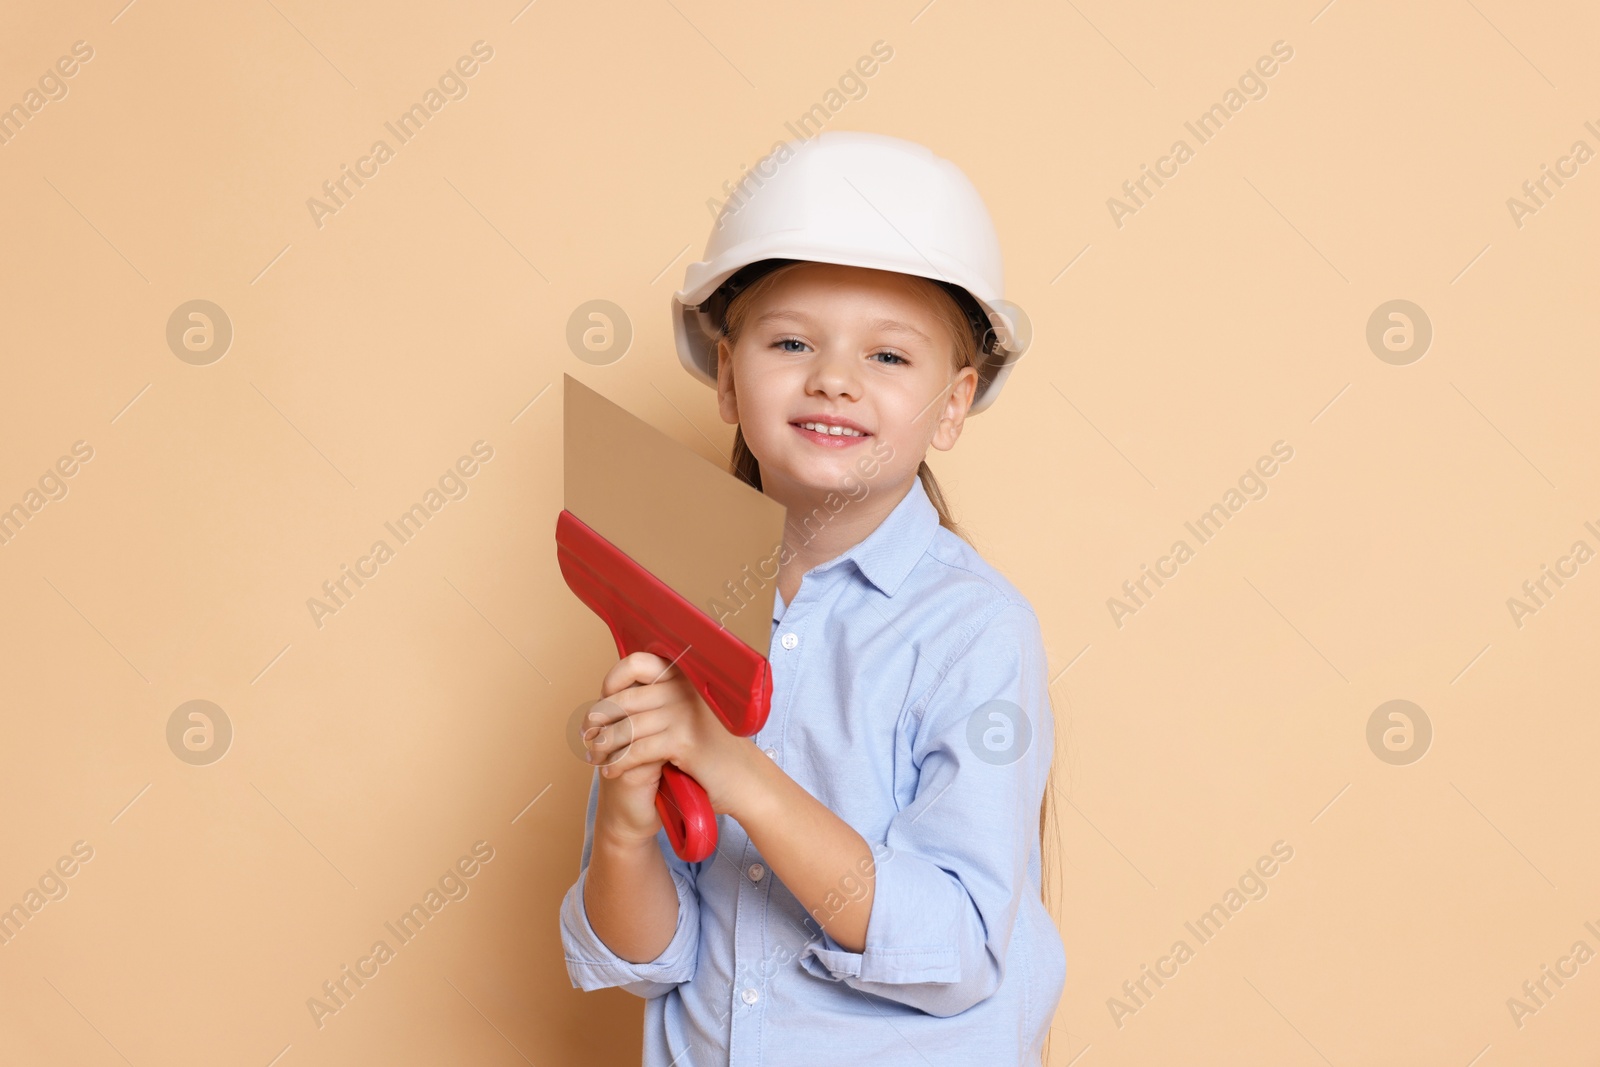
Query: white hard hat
x=862, y=200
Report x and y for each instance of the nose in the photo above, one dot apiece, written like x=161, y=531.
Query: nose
x=833, y=374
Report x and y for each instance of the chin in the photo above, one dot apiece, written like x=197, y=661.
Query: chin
x=818, y=470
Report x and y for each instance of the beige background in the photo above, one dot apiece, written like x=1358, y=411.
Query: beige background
x=428, y=714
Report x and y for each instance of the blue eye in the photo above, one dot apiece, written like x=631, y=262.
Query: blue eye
x=780, y=342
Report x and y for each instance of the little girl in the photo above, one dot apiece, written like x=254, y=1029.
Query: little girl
x=875, y=894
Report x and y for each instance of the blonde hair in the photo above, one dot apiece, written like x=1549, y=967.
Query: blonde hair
x=964, y=343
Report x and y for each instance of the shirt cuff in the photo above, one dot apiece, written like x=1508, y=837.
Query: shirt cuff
x=591, y=965
x=903, y=947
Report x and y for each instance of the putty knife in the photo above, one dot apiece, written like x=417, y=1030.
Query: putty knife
x=671, y=551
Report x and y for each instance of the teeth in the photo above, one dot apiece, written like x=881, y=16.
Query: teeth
x=835, y=431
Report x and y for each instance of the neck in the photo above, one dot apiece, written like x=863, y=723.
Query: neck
x=814, y=533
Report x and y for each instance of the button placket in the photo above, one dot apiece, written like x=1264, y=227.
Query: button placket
x=749, y=937
x=789, y=640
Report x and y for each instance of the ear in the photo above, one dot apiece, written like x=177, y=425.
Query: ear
x=727, y=401
x=954, y=413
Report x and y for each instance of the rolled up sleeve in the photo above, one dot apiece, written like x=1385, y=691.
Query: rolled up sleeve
x=591, y=965
x=946, y=894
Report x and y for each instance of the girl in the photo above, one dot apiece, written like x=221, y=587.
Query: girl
x=875, y=895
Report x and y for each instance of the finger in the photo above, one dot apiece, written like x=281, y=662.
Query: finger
x=674, y=689
x=643, y=774
x=619, y=708
x=615, y=737
x=634, y=698
x=655, y=748
x=634, y=668
x=601, y=712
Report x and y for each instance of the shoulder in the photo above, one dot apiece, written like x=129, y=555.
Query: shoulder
x=955, y=576
x=979, y=616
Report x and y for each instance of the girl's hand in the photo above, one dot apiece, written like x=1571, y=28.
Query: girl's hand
x=653, y=715
x=626, y=809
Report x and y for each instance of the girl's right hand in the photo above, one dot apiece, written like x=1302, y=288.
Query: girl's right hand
x=626, y=809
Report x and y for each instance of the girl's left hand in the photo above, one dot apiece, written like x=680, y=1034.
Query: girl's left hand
x=663, y=717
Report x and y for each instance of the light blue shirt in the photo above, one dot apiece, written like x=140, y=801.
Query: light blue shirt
x=885, y=673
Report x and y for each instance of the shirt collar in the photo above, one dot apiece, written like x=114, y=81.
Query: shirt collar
x=887, y=554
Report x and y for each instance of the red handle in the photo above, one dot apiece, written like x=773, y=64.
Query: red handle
x=647, y=615
x=686, y=814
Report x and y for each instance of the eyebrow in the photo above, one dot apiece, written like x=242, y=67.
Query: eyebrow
x=886, y=325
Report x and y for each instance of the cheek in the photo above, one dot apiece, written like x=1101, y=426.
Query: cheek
x=760, y=408
x=766, y=395
x=908, y=411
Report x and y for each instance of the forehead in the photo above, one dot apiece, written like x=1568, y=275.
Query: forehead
x=879, y=299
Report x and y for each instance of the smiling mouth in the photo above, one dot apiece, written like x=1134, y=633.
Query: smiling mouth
x=827, y=438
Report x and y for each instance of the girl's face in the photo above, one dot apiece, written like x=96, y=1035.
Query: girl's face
x=829, y=342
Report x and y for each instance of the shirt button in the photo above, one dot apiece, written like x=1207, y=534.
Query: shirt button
x=772, y=752
x=749, y=996
x=790, y=640
x=756, y=871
